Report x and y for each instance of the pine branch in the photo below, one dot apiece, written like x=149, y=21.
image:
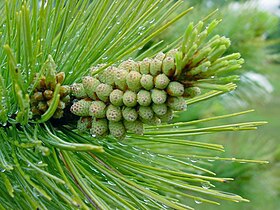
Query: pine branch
x=49, y=164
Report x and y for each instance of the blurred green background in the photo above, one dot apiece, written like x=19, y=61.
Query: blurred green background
x=254, y=29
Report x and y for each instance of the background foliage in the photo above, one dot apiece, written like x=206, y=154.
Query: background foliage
x=255, y=33
x=40, y=163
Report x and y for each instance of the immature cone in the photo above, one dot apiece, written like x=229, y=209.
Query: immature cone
x=99, y=127
x=97, y=109
x=84, y=124
x=81, y=108
x=42, y=97
x=117, y=129
x=149, y=91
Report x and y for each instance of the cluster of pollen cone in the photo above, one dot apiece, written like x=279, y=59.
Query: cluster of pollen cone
x=123, y=98
x=120, y=99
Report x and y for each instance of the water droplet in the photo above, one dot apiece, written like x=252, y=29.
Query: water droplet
x=152, y=21
x=110, y=147
x=151, y=155
x=136, y=149
x=193, y=160
x=146, y=201
x=205, y=185
x=118, y=22
x=2, y=170
x=94, y=169
x=122, y=144
x=105, y=58
x=198, y=201
x=111, y=183
x=112, y=40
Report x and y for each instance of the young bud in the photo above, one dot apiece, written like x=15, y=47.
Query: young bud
x=99, y=127
x=90, y=84
x=133, y=81
x=144, y=66
x=38, y=96
x=103, y=91
x=160, y=56
x=129, y=65
x=84, y=124
x=171, y=53
x=95, y=69
x=117, y=129
x=60, y=77
x=64, y=90
x=147, y=81
x=129, y=114
x=191, y=92
x=61, y=105
x=158, y=96
x=167, y=117
x=129, y=98
x=97, y=109
x=144, y=98
x=134, y=127
x=161, y=81
x=107, y=76
x=113, y=113
x=81, y=108
x=168, y=66
x=35, y=111
x=116, y=97
x=155, y=67
x=78, y=90
x=146, y=112
x=48, y=94
x=42, y=83
x=42, y=106
x=154, y=121
x=159, y=109
x=66, y=99
x=120, y=78
x=175, y=89
x=177, y=103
